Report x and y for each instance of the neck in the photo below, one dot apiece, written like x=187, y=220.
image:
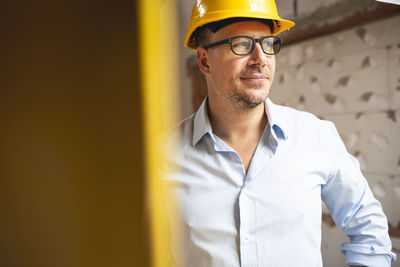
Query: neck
x=234, y=124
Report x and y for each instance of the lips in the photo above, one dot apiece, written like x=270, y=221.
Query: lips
x=256, y=77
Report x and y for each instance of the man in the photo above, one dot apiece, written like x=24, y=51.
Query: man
x=251, y=174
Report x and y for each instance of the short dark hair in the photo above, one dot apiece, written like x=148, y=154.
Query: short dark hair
x=202, y=36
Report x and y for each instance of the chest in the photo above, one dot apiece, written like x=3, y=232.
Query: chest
x=284, y=185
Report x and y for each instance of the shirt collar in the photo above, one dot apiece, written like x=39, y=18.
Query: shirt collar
x=276, y=119
x=202, y=124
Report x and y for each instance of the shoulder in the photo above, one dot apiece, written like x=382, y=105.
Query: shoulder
x=184, y=127
x=180, y=134
x=305, y=127
x=298, y=120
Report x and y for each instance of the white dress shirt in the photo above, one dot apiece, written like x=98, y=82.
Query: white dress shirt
x=271, y=215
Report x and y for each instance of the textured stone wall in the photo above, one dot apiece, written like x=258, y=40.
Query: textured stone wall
x=353, y=79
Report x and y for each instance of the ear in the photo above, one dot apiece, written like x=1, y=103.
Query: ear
x=202, y=59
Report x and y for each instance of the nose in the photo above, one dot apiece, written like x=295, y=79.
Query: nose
x=258, y=56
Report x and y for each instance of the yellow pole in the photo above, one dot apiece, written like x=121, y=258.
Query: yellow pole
x=158, y=50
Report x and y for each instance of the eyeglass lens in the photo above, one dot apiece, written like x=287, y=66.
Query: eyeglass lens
x=244, y=45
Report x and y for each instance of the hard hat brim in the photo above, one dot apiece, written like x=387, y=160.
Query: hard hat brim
x=199, y=21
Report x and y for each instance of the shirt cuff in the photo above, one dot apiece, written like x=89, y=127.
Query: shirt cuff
x=372, y=257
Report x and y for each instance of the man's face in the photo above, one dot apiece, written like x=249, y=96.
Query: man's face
x=243, y=80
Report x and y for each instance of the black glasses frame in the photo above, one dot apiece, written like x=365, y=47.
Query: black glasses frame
x=258, y=40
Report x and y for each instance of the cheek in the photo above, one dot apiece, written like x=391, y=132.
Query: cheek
x=271, y=65
x=224, y=71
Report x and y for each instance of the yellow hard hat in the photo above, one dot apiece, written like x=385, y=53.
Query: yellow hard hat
x=207, y=11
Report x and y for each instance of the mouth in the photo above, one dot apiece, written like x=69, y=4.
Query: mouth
x=254, y=78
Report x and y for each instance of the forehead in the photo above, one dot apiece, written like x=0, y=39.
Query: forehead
x=253, y=29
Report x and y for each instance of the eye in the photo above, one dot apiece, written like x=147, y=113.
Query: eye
x=241, y=44
x=271, y=45
x=267, y=43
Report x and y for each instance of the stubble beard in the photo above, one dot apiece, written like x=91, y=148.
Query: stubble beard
x=246, y=102
x=243, y=98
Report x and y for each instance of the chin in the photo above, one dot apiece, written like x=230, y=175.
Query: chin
x=250, y=102
x=259, y=97
x=251, y=105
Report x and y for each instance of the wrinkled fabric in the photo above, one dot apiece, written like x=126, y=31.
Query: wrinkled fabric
x=271, y=215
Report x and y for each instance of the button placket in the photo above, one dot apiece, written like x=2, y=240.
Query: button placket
x=248, y=254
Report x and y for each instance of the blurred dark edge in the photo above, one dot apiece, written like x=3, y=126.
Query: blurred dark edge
x=71, y=143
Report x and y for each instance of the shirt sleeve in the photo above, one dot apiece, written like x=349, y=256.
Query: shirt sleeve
x=354, y=208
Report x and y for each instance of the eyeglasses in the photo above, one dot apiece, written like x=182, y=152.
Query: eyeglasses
x=244, y=45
